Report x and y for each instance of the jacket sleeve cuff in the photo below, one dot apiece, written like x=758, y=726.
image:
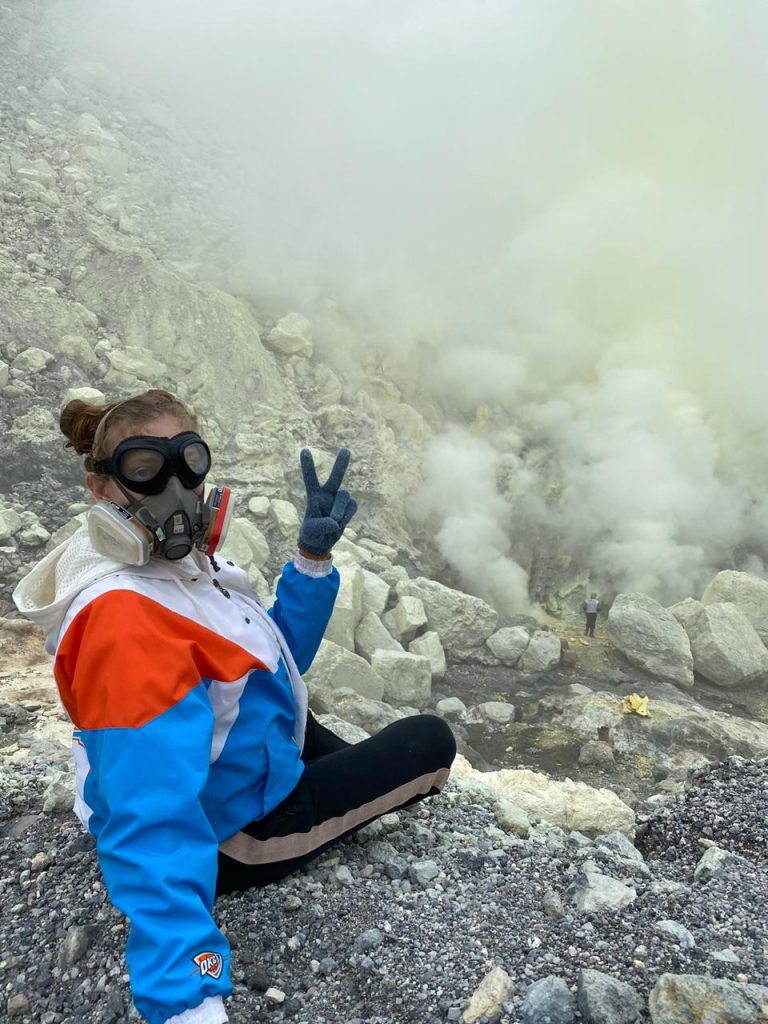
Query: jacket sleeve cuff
x=310, y=567
x=210, y=1011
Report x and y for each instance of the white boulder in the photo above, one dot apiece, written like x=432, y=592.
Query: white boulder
x=461, y=620
x=542, y=653
x=345, y=730
x=650, y=636
x=38, y=171
x=31, y=360
x=10, y=524
x=748, y=593
x=351, y=551
x=509, y=644
x=382, y=551
x=363, y=712
x=572, y=806
x=90, y=131
x=258, y=506
x=291, y=336
x=371, y=635
x=39, y=426
x=493, y=712
x=285, y=517
x=376, y=593
x=685, y=610
x=132, y=364
x=406, y=618
x=407, y=678
x=428, y=646
x=335, y=667
x=348, y=609
x=245, y=544
x=85, y=394
x=726, y=649
x=52, y=91
x=452, y=708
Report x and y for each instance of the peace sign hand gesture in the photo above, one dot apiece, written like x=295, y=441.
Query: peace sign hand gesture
x=328, y=508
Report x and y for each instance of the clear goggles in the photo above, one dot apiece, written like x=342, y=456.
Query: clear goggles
x=146, y=464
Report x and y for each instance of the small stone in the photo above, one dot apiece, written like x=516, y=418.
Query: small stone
x=60, y=792
x=18, y=1005
x=618, y=844
x=40, y=861
x=603, y=999
x=595, y=893
x=676, y=933
x=423, y=871
x=597, y=753
x=714, y=862
x=292, y=902
x=552, y=905
x=494, y=990
x=725, y=956
x=77, y=942
x=257, y=979
x=368, y=940
x=549, y=1000
x=275, y=995
x=343, y=875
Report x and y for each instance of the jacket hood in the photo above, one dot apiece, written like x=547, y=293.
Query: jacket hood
x=45, y=594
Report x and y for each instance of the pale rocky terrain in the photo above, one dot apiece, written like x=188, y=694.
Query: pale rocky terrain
x=116, y=274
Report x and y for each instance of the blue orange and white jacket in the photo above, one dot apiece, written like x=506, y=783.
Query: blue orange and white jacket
x=189, y=712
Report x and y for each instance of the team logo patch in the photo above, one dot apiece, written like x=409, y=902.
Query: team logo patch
x=209, y=964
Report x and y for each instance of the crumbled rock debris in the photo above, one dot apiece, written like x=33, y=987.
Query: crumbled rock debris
x=386, y=945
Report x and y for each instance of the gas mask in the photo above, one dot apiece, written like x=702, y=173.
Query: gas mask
x=170, y=519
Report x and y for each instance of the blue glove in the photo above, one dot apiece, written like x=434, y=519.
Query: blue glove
x=328, y=509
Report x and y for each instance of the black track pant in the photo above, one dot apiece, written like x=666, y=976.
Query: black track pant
x=343, y=787
x=591, y=621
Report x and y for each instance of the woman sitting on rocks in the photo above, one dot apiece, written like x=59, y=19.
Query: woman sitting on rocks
x=199, y=768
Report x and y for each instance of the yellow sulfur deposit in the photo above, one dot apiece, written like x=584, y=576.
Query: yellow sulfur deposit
x=634, y=704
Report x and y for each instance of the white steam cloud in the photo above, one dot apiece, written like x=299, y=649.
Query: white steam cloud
x=563, y=205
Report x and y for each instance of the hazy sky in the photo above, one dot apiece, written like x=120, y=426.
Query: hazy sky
x=563, y=203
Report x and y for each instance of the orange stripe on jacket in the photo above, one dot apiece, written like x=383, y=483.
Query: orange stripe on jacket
x=126, y=659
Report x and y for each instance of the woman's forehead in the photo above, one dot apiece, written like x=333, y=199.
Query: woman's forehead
x=160, y=426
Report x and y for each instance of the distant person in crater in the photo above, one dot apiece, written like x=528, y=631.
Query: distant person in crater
x=199, y=768
x=590, y=607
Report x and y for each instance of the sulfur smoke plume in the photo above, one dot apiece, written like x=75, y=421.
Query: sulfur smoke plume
x=554, y=213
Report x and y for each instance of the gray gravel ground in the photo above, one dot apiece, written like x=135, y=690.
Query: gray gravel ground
x=367, y=934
